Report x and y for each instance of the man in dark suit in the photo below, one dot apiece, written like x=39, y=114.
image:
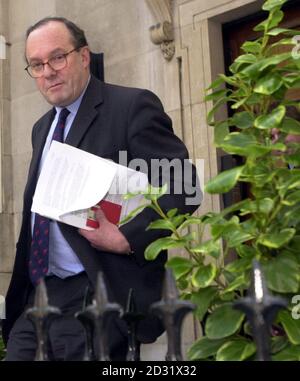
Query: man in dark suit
x=101, y=119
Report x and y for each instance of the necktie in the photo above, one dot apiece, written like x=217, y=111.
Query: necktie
x=39, y=251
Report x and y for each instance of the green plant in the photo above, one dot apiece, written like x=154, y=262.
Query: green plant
x=2, y=350
x=265, y=226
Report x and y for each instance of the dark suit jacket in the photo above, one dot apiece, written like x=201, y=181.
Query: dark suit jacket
x=110, y=119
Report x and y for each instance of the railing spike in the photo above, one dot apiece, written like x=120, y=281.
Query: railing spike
x=41, y=315
x=260, y=308
x=172, y=311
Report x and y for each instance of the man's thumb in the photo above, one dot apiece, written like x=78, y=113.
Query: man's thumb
x=100, y=215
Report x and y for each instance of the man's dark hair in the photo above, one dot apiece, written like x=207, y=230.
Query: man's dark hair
x=77, y=34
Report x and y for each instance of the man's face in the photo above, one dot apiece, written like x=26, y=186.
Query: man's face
x=61, y=87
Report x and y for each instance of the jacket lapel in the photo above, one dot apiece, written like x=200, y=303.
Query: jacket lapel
x=87, y=112
x=41, y=132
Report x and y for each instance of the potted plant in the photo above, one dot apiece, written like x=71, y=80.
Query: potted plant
x=266, y=225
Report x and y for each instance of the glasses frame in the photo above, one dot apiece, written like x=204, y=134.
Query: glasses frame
x=48, y=63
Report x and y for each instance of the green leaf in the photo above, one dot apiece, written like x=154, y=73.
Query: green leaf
x=249, y=226
x=293, y=159
x=204, y=348
x=215, y=95
x=215, y=84
x=204, y=276
x=133, y=213
x=180, y=266
x=295, y=244
x=236, y=350
x=290, y=353
x=282, y=43
x=254, y=70
x=275, y=239
x=190, y=220
x=293, y=181
x=269, y=5
x=290, y=126
x=261, y=150
x=224, y=227
x=291, y=326
x=224, y=181
x=239, y=103
x=280, y=93
x=263, y=206
x=178, y=220
x=282, y=273
x=251, y=47
x=161, y=244
x=292, y=216
x=207, y=247
x=275, y=17
x=246, y=58
x=246, y=251
x=224, y=321
x=254, y=98
x=221, y=130
x=271, y=120
x=154, y=193
x=247, y=328
x=240, y=265
x=288, y=179
x=233, y=208
x=268, y=84
x=291, y=81
x=228, y=79
x=243, y=120
x=277, y=31
x=219, y=103
x=160, y=224
x=227, y=296
x=182, y=284
x=236, y=284
x=278, y=343
x=236, y=237
x=172, y=212
x=292, y=199
x=241, y=61
x=238, y=143
x=203, y=298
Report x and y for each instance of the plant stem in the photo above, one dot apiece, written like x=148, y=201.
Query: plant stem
x=173, y=228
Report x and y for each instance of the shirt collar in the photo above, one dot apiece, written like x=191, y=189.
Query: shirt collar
x=73, y=107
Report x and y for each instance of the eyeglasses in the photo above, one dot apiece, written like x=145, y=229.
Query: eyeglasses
x=57, y=62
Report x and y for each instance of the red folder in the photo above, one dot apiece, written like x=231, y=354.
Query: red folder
x=111, y=210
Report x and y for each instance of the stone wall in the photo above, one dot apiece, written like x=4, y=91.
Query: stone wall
x=6, y=181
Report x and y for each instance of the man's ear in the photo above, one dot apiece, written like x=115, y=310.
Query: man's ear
x=85, y=56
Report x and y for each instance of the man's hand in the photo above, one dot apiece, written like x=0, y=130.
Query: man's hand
x=107, y=237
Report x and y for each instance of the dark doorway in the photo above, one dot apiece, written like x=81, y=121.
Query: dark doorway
x=234, y=35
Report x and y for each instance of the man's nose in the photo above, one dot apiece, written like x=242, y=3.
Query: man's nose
x=48, y=71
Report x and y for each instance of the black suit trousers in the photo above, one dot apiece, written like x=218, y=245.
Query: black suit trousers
x=66, y=334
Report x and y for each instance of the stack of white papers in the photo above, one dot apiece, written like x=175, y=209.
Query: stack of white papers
x=74, y=183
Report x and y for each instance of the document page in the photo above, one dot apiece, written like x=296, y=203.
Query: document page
x=74, y=183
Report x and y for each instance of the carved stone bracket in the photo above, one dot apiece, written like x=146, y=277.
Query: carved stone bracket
x=162, y=33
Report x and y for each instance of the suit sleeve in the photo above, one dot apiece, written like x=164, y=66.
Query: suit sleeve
x=151, y=138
